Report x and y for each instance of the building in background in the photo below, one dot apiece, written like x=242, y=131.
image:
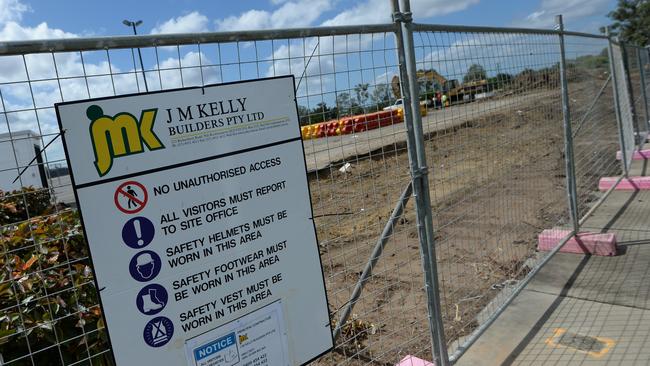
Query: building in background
x=16, y=151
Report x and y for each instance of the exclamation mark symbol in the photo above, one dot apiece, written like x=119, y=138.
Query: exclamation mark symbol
x=138, y=232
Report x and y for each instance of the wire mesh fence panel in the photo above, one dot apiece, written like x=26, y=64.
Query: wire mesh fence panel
x=495, y=149
x=639, y=80
x=492, y=117
x=50, y=312
x=625, y=103
x=593, y=118
x=644, y=56
x=634, y=75
x=358, y=171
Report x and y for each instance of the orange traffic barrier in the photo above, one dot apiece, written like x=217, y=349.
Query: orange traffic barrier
x=304, y=132
x=359, y=123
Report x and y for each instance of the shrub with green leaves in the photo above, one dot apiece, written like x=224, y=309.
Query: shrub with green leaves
x=17, y=205
x=48, y=300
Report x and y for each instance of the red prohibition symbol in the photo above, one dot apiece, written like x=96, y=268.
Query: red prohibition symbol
x=130, y=197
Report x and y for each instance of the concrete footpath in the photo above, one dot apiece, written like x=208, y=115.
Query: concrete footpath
x=583, y=310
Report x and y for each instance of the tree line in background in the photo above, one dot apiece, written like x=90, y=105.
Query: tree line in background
x=366, y=98
x=632, y=21
x=358, y=101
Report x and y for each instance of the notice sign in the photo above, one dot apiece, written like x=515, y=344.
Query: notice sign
x=254, y=339
x=196, y=209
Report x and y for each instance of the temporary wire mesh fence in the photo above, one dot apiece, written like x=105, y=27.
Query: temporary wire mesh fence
x=636, y=72
x=496, y=157
x=636, y=93
x=625, y=104
x=50, y=307
x=644, y=60
x=494, y=146
x=593, y=117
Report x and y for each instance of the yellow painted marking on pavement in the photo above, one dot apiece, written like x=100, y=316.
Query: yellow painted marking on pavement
x=553, y=341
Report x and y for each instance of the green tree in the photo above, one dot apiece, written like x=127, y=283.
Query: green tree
x=503, y=79
x=593, y=61
x=632, y=21
x=46, y=268
x=380, y=95
x=500, y=81
x=361, y=90
x=344, y=103
x=475, y=72
x=303, y=114
x=322, y=113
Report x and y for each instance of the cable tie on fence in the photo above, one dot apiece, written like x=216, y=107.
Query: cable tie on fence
x=420, y=172
x=406, y=17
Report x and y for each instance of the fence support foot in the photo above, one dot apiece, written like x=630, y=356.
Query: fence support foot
x=626, y=184
x=603, y=244
x=638, y=155
x=414, y=361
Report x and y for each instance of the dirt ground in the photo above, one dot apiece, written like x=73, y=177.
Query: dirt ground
x=495, y=183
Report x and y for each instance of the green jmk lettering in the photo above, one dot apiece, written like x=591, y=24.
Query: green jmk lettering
x=120, y=135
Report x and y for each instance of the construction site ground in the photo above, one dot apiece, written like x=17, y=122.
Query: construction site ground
x=581, y=309
x=320, y=153
x=476, y=151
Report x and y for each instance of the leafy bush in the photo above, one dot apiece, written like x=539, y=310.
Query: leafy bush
x=15, y=205
x=48, y=299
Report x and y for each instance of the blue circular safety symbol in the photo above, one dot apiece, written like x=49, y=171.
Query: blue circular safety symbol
x=158, y=331
x=138, y=232
x=145, y=266
x=151, y=299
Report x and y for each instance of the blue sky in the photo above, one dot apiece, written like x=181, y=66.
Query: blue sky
x=105, y=17
x=338, y=66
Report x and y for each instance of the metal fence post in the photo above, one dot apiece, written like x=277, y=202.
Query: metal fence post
x=643, y=86
x=569, y=163
x=635, y=120
x=419, y=174
x=617, y=102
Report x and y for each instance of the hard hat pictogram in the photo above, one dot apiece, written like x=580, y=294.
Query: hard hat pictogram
x=145, y=266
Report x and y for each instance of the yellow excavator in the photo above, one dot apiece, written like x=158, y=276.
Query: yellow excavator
x=430, y=82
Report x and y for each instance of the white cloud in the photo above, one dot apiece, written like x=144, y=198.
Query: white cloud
x=371, y=11
x=290, y=14
x=452, y=58
x=172, y=76
x=189, y=23
x=12, y=31
x=428, y=8
x=249, y=20
x=12, y=10
x=20, y=97
x=12, y=67
x=571, y=10
x=299, y=13
x=379, y=11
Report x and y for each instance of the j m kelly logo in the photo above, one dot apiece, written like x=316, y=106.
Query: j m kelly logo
x=120, y=135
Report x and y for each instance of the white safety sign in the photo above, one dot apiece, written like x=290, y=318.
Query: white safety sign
x=196, y=208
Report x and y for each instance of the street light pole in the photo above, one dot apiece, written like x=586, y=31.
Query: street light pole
x=135, y=32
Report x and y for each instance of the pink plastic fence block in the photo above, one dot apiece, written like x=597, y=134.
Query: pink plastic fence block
x=638, y=155
x=627, y=184
x=414, y=361
x=583, y=243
